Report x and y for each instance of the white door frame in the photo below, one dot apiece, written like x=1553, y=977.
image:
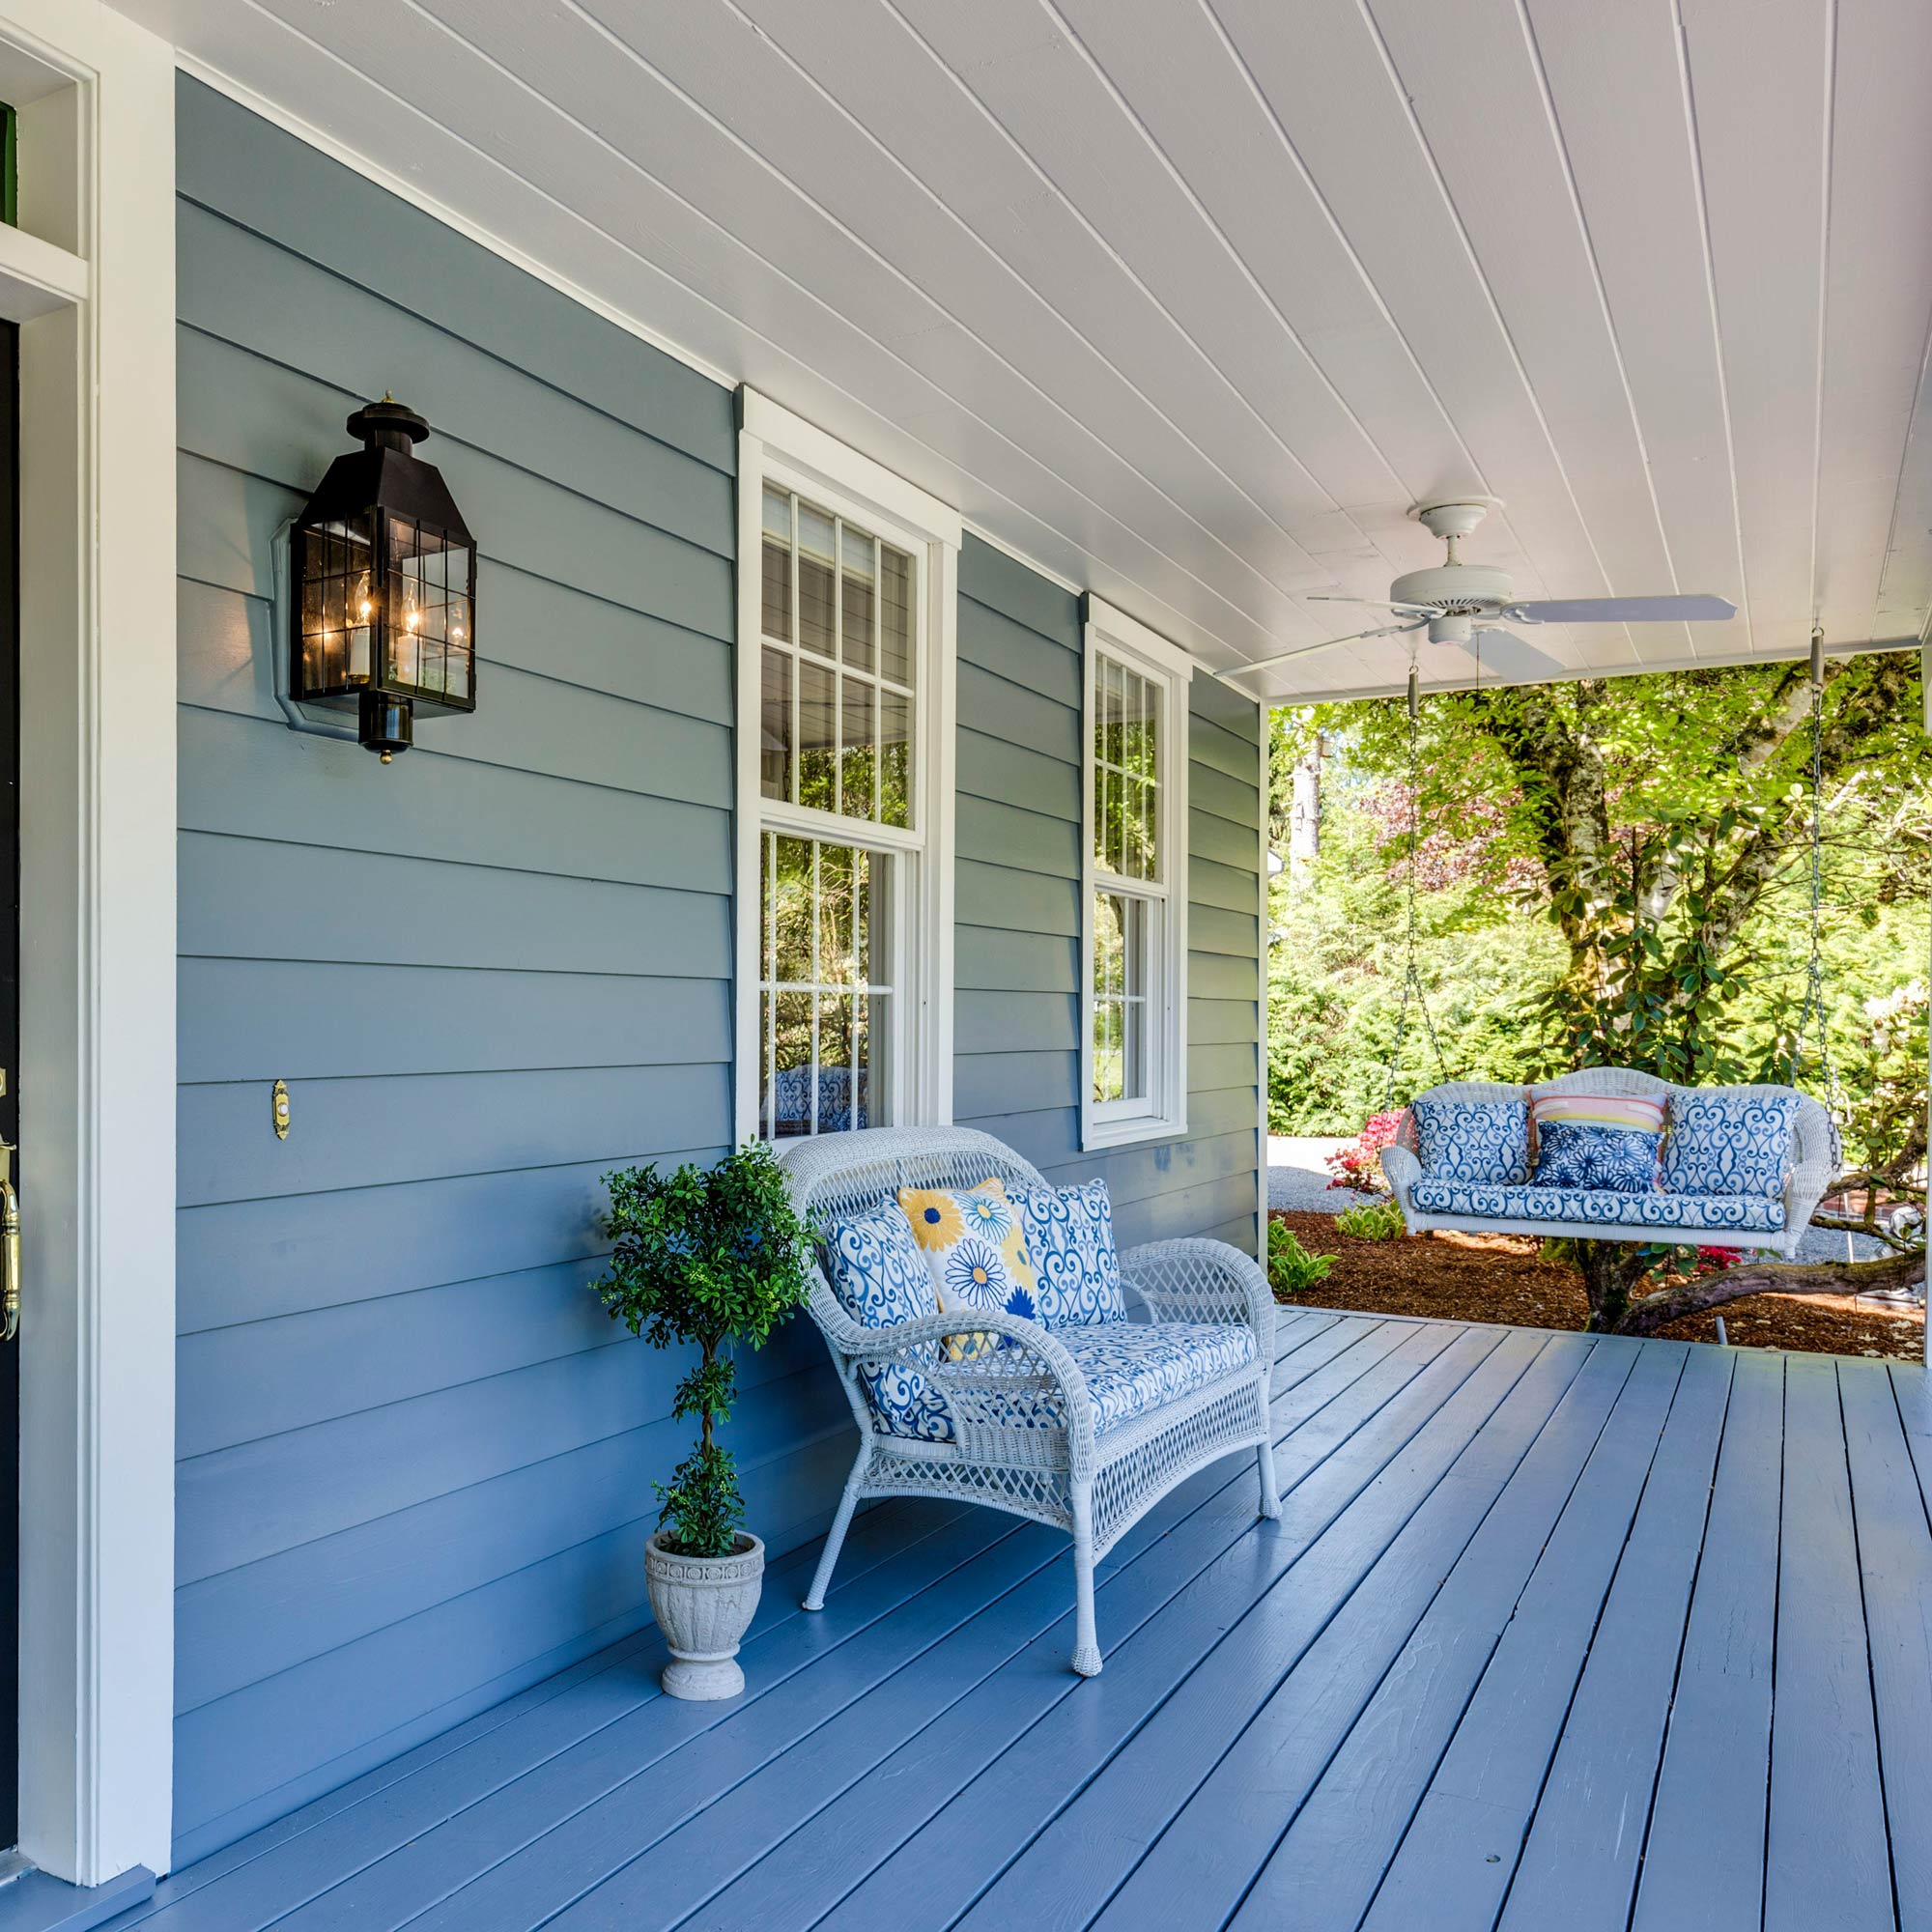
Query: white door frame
x=89, y=274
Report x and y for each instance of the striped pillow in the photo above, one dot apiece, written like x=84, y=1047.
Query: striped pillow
x=1589, y=1128
x=1631, y=1113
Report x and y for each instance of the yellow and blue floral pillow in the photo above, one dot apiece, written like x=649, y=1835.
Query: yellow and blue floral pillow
x=976, y=1253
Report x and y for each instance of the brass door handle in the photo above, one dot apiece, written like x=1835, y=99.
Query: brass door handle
x=9, y=1247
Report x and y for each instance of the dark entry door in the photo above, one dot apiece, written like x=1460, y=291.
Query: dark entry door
x=10, y=1060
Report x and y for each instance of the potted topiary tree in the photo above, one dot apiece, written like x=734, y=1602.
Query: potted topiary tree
x=704, y=1257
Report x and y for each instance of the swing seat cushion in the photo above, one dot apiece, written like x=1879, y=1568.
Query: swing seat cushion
x=1729, y=1144
x=1473, y=1140
x=1746, y=1214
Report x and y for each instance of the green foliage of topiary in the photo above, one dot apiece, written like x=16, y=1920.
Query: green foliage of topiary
x=1291, y=1268
x=1373, y=1221
x=705, y=1258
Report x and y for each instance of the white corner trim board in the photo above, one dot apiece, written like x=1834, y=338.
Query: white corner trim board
x=91, y=279
x=775, y=447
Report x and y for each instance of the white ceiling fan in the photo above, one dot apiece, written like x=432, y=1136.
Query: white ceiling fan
x=1467, y=603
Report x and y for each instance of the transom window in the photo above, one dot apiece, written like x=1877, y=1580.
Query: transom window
x=1136, y=920
x=845, y=774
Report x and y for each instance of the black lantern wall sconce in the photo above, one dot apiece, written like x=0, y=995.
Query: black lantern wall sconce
x=382, y=587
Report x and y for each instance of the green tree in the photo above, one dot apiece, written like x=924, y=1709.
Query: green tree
x=1618, y=873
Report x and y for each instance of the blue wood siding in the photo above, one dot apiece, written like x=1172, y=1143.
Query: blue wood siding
x=1017, y=903
x=414, y=1460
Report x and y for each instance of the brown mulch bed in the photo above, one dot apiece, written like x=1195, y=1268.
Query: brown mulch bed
x=1501, y=1278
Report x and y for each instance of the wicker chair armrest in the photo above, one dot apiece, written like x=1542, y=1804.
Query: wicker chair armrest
x=1402, y=1170
x=1808, y=1183
x=1033, y=1356
x=1201, y=1280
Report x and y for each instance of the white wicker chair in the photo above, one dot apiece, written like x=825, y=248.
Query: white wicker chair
x=1094, y=1483
x=1815, y=1155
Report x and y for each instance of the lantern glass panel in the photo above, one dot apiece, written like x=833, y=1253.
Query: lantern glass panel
x=338, y=605
x=431, y=579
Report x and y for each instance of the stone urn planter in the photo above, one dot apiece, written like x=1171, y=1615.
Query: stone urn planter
x=703, y=1604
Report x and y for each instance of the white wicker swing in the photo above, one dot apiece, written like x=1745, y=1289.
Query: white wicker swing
x=1812, y=1158
x=1812, y=1164
x=1023, y=1432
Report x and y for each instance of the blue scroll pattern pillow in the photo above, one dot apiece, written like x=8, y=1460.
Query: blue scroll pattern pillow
x=880, y=1277
x=1481, y=1141
x=1736, y=1144
x=1070, y=1234
x=1604, y=1160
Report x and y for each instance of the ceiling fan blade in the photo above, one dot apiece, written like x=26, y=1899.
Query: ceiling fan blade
x=1326, y=645
x=1373, y=603
x=1510, y=658
x=1623, y=611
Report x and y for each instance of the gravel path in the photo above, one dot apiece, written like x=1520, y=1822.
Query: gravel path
x=1298, y=1182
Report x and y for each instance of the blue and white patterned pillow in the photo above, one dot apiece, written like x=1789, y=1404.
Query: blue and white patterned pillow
x=1603, y=1161
x=880, y=1277
x=1736, y=1144
x=1481, y=1140
x=1070, y=1234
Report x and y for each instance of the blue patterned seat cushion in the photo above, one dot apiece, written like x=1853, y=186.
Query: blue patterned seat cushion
x=1130, y=1367
x=1731, y=1212
x=880, y=1277
x=1473, y=1140
x=1069, y=1234
x=1603, y=1161
x=1735, y=1144
x=1134, y=1366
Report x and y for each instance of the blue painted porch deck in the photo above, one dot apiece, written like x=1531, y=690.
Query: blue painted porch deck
x=1553, y=1633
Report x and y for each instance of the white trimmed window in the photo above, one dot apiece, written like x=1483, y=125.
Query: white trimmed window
x=1134, y=977
x=846, y=630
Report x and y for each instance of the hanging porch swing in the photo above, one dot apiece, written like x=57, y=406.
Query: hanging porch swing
x=1610, y=1154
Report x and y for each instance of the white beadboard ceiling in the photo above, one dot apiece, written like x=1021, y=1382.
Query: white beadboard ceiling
x=1190, y=299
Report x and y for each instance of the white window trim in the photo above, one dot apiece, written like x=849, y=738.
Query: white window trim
x=776, y=446
x=1120, y=637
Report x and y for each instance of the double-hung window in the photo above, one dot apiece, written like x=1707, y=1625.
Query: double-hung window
x=1134, y=928
x=845, y=710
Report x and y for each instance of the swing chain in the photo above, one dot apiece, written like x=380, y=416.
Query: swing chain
x=1411, y=977
x=1813, y=1011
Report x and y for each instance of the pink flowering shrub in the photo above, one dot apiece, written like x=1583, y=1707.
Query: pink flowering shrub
x=1361, y=1164
x=1714, y=1260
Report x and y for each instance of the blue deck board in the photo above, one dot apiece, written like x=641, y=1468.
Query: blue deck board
x=1704, y=1861
x=1295, y=1669
x=1896, y=1571
x=1580, y=1866
x=1826, y=1852
x=1203, y=1863
x=1346, y=1835
x=1511, y=1659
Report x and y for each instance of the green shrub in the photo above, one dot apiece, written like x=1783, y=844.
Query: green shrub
x=1373, y=1221
x=1291, y=1268
x=704, y=1257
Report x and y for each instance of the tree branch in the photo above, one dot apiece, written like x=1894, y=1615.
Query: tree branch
x=1650, y=1312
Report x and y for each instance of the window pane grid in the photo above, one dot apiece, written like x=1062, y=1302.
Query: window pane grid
x=836, y=696
x=822, y=1001
x=1126, y=772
